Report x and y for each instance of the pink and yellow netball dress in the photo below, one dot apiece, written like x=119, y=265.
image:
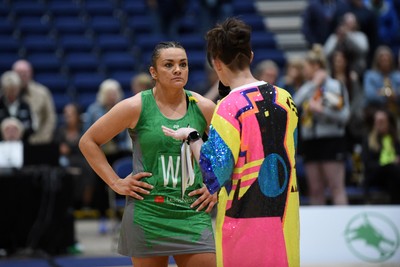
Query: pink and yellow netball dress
x=250, y=158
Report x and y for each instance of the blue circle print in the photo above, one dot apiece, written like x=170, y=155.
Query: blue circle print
x=268, y=178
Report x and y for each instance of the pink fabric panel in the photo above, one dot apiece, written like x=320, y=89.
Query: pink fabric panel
x=242, y=240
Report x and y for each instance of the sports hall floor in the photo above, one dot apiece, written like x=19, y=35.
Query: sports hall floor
x=98, y=251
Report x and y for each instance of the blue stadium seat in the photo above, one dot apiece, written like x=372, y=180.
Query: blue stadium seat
x=255, y=21
x=56, y=82
x=98, y=8
x=124, y=78
x=59, y=9
x=263, y=39
x=192, y=41
x=105, y=25
x=60, y=100
x=273, y=54
x=118, y=61
x=6, y=61
x=45, y=63
x=85, y=99
x=113, y=42
x=33, y=25
x=6, y=26
x=81, y=62
x=69, y=25
x=39, y=43
x=9, y=44
x=29, y=9
x=197, y=60
x=241, y=7
x=140, y=24
x=133, y=8
x=71, y=43
x=88, y=82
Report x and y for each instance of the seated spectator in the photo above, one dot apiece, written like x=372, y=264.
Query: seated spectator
x=41, y=103
x=11, y=146
x=381, y=155
x=12, y=129
x=382, y=83
x=325, y=110
x=12, y=104
x=348, y=38
x=110, y=93
x=67, y=136
x=141, y=82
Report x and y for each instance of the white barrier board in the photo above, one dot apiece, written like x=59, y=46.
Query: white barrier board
x=367, y=235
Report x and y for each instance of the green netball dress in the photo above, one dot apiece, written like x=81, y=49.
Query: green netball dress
x=163, y=223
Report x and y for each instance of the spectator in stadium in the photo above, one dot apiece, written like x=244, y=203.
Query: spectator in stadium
x=109, y=94
x=381, y=155
x=67, y=136
x=325, y=110
x=382, y=84
x=318, y=19
x=293, y=77
x=13, y=105
x=388, y=20
x=140, y=82
x=353, y=42
x=12, y=129
x=267, y=71
x=40, y=100
x=340, y=70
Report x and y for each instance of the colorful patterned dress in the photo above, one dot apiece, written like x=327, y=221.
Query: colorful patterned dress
x=250, y=158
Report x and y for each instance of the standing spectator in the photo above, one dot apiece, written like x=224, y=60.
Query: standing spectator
x=367, y=22
x=140, y=82
x=41, y=104
x=249, y=158
x=382, y=83
x=381, y=155
x=325, y=111
x=67, y=136
x=12, y=104
x=388, y=20
x=340, y=70
x=348, y=38
x=318, y=18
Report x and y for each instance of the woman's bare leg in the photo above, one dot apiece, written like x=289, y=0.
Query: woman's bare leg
x=161, y=261
x=315, y=183
x=196, y=260
x=334, y=172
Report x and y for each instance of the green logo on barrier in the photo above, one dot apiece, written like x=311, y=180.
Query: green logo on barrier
x=372, y=237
